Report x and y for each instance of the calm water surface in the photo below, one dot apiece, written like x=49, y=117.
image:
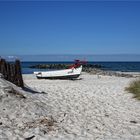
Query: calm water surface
x=113, y=66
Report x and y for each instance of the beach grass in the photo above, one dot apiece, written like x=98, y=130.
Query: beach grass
x=134, y=88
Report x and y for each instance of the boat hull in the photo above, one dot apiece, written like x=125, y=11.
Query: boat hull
x=60, y=74
x=60, y=77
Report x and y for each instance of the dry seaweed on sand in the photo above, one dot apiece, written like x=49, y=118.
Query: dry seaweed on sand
x=45, y=121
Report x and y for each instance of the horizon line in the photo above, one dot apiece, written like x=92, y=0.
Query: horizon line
x=64, y=54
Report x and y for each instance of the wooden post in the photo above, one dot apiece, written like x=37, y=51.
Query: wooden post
x=0, y=65
x=8, y=71
x=3, y=68
x=12, y=72
x=19, y=79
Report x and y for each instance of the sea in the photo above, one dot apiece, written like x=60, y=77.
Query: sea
x=109, y=66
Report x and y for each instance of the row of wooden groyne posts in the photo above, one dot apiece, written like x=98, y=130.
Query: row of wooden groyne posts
x=11, y=71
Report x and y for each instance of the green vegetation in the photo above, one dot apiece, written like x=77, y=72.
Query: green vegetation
x=134, y=88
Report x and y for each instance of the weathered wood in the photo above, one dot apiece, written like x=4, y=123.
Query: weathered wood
x=0, y=65
x=12, y=72
x=19, y=74
x=3, y=68
x=8, y=72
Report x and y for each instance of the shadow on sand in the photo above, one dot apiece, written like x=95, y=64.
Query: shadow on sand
x=29, y=89
x=76, y=79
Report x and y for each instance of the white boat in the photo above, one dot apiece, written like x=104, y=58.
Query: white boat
x=71, y=73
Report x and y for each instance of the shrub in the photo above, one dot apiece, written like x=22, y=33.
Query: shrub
x=134, y=88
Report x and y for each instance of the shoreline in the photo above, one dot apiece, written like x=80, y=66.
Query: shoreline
x=89, y=68
x=108, y=73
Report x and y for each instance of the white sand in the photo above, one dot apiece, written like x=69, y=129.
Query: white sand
x=91, y=108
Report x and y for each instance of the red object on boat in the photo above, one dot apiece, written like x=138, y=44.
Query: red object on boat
x=77, y=64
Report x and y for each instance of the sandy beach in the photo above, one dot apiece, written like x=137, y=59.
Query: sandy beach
x=92, y=107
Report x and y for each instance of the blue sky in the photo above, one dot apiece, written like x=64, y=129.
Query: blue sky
x=69, y=27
